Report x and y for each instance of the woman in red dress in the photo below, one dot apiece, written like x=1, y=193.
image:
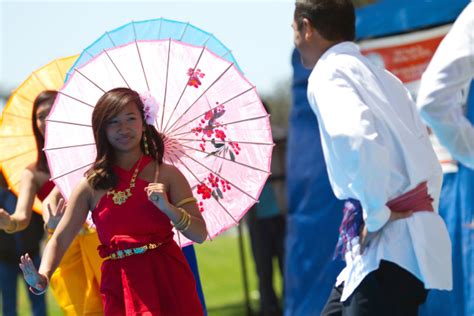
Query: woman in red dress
x=132, y=195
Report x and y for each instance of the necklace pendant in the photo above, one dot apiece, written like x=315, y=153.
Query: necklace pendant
x=119, y=197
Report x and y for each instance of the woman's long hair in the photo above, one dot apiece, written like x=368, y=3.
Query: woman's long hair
x=100, y=175
x=48, y=97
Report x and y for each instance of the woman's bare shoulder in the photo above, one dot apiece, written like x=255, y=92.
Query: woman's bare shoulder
x=83, y=188
x=167, y=173
x=169, y=170
x=86, y=192
x=170, y=173
x=32, y=175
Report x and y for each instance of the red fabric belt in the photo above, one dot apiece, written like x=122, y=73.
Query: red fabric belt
x=414, y=200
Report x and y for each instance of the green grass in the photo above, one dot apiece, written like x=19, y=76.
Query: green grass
x=24, y=303
x=221, y=277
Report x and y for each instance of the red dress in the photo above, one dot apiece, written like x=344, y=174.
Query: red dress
x=44, y=191
x=158, y=282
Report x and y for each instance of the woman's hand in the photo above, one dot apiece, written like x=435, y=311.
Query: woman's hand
x=157, y=194
x=5, y=220
x=31, y=275
x=55, y=216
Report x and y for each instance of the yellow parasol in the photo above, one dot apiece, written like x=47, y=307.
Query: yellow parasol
x=17, y=143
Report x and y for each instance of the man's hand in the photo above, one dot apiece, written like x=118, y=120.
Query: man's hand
x=365, y=236
x=399, y=215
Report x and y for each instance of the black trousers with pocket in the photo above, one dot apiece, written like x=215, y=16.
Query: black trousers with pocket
x=387, y=291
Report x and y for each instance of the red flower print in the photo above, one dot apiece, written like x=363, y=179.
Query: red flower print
x=208, y=115
x=213, y=131
x=220, y=134
x=213, y=186
x=208, y=132
x=204, y=191
x=194, y=77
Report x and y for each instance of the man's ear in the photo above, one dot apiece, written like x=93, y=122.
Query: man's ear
x=307, y=29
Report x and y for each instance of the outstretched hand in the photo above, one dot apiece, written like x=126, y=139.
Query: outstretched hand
x=55, y=216
x=4, y=219
x=31, y=275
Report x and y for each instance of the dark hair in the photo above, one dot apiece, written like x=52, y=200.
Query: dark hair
x=48, y=97
x=100, y=175
x=333, y=19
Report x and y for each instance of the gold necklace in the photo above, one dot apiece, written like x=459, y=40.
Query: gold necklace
x=120, y=197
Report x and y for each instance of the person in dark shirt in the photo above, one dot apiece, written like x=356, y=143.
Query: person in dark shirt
x=11, y=247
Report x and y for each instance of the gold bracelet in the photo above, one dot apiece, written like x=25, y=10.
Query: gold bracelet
x=188, y=223
x=15, y=227
x=185, y=201
x=182, y=219
x=185, y=225
x=184, y=222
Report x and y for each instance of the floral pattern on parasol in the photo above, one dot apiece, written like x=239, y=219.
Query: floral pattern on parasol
x=215, y=129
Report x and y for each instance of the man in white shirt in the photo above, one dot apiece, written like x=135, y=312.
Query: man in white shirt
x=379, y=155
x=446, y=103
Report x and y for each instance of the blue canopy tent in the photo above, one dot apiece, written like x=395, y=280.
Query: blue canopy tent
x=314, y=213
x=389, y=17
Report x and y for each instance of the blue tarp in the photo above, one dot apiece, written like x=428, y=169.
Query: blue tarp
x=388, y=17
x=314, y=213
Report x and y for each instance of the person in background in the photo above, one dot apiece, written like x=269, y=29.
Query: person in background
x=11, y=247
x=380, y=159
x=446, y=104
x=266, y=223
x=75, y=285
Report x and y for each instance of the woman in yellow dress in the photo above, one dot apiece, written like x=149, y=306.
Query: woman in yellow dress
x=75, y=284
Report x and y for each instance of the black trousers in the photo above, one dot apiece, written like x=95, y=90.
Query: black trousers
x=388, y=291
x=267, y=240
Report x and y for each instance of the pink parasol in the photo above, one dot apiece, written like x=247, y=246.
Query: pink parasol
x=215, y=127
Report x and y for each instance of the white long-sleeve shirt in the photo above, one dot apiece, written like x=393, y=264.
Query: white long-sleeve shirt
x=444, y=88
x=376, y=148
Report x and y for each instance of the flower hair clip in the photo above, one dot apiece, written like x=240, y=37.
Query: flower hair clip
x=150, y=107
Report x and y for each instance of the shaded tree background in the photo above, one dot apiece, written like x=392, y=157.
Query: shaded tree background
x=279, y=102
x=4, y=95
x=361, y=3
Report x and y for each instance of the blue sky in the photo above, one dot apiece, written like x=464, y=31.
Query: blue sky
x=35, y=32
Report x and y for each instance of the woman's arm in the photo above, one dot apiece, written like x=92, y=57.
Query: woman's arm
x=53, y=209
x=73, y=219
x=179, y=190
x=20, y=219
